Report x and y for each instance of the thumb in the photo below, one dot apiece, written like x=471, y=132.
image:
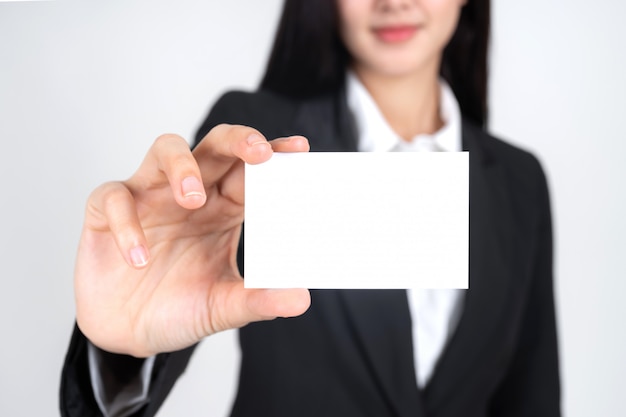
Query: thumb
x=277, y=302
x=244, y=305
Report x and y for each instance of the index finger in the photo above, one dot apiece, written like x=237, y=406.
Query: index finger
x=226, y=145
x=170, y=161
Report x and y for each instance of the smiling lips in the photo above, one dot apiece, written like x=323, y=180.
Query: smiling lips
x=395, y=34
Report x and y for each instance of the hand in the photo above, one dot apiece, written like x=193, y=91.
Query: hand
x=156, y=267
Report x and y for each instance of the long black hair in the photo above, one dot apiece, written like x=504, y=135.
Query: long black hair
x=308, y=57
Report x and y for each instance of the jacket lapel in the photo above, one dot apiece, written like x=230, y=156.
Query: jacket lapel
x=490, y=227
x=386, y=313
x=381, y=319
x=382, y=326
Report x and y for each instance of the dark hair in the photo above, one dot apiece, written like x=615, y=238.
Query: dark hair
x=308, y=57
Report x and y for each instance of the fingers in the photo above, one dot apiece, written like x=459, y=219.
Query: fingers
x=231, y=185
x=244, y=305
x=290, y=144
x=227, y=145
x=112, y=207
x=170, y=161
x=278, y=302
x=221, y=152
x=189, y=174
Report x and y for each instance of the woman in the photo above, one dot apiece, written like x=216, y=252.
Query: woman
x=156, y=268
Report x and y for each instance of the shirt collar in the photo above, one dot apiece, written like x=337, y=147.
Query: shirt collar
x=375, y=134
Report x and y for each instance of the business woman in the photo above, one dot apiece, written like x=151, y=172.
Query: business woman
x=157, y=267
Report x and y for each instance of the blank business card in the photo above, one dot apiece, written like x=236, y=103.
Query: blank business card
x=357, y=220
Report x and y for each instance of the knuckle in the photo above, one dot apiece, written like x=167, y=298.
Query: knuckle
x=103, y=191
x=228, y=131
x=171, y=152
x=220, y=129
x=113, y=209
x=215, y=136
x=166, y=141
x=114, y=195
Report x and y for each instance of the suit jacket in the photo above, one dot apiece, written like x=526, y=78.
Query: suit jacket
x=351, y=354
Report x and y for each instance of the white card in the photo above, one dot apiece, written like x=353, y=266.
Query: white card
x=357, y=220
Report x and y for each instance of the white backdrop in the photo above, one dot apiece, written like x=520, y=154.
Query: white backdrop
x=86, y=86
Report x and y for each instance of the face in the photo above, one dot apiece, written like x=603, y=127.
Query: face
x=397, y=37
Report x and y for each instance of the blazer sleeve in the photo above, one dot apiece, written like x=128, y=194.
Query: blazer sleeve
x=76, y=392
x=531, y=387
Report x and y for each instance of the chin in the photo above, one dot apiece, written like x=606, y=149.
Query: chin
x=400, y=68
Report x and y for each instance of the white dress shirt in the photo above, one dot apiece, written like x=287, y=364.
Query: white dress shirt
x=434, y=313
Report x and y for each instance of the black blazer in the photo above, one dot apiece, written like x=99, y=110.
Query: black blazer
x=351, y=353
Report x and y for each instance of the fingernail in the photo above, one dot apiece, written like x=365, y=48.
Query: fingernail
x=192, y=187
x=255, y=139
x=287, y=139
x=139, y=256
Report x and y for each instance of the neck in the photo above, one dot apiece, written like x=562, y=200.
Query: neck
x=409, y=103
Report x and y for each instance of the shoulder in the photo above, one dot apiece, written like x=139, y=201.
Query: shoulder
x=511, y=171
x=264, y=110
x=520, y=165
x=262, y=101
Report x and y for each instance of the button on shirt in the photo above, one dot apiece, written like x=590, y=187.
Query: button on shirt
x=434, y=313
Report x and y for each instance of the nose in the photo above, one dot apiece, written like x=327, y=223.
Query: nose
x=394, y=5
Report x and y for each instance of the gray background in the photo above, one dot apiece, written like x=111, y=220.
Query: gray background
x=86, y=86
